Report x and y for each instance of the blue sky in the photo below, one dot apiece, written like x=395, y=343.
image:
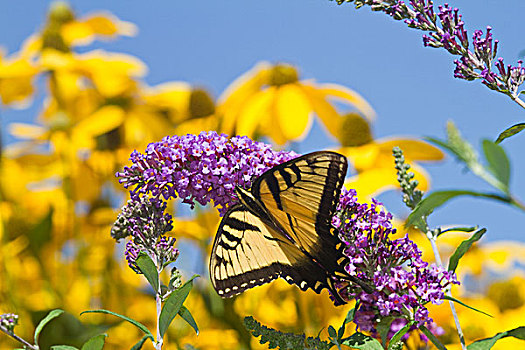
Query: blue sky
x=411, y=87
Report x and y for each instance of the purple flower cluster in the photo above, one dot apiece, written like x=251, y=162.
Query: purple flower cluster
x=145, y=221
x=200, y=168
x=403, y=282
x=447, y=29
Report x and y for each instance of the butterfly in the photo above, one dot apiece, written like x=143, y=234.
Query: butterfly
x=282, y=228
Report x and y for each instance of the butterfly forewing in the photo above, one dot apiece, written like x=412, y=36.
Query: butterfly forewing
x=302, y=196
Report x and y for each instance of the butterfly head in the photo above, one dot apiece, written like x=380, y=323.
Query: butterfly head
x=246, y=197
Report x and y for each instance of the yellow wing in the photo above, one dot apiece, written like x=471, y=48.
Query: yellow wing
x=247, y=253
x=302, y=195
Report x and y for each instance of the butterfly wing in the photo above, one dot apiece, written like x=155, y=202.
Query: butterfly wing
x=247, y=253
x=302, y=196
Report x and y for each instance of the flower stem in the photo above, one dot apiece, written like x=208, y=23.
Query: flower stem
x=158, y=299
x=519, y=101
x=432, y=238
x=17, y=338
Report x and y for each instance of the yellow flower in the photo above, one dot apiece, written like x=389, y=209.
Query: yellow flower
x=272, y=101
x=373, y=160
x=191, y=109
x=64, y=31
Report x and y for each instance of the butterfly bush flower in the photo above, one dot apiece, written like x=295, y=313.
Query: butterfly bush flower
x=446, y=29
x=403, y=282
x=200, y=168
x=145, y=221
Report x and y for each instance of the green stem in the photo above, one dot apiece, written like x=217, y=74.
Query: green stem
x=17, y=338
x=158, y=342
x=431, y=237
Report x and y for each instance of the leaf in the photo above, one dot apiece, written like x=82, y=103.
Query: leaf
x=399, y=334
x=63, y=347
x=148, y=268
x=173, y=304
x=498, y=162
x=513, y=130
x=448, y=297
x=332, y=332
x=95, y=343
x=130, y=320
x=459, y=229
x=438, y=198
x=51, y=315
x=362, y=341
x=187, y=316
x=463, y=248
x=432, y=338
x=141, y=342
x=351, y=314
x=383, y=327
x=40, y=234
x=487, y=343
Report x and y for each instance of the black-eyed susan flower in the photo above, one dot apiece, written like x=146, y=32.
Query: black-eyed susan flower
x=270, y=100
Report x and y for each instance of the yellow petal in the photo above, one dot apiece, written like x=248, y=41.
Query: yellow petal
x=413, y=149
x=104, y=120
x=16, y=82
x=85, y=30
x=109, y=25
x=363, y=157
x=255, y=112
x=347, y=95
x=293, y=112
x=172, y=97
x=329, y=116
x=237, y=93
x=372, y=182
x=26, y=131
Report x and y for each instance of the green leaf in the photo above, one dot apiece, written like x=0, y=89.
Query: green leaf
x=332, y=332
x=383, y=327
x=513, y=130
x=148, y=268
x=438, y=198
x=130, y=320
x=463, y=248
x=351, y=314
x=362, y=341
x=432, y=338
x=63, y=347
x=51, y=315
x=40, y=234
x=498, y=163
x=458, y=229
x=187, y=316
x=141, y=342
x=399, y=334
x=95, y=343
x=487, y=343
x=173, y=304
x=447, y=297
